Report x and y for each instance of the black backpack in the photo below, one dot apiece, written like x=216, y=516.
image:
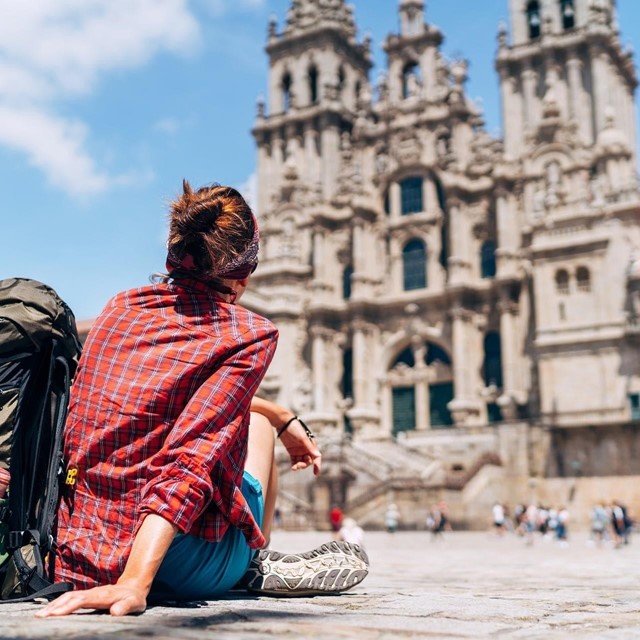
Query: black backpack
x=39, y=351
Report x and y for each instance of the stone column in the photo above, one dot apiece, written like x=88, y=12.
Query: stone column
x=600, y=84
x=421, y=384
x=529, y=79
x=395, y=257
x=330, y=156
x=508, y=311
x=311, y=156
x=458, y=262
x=463, y=407
x=460, y=357
x=579, y=104
x=359, y=345
x=318, y=355
x=508, y=241
x=318, y=257
x=395, y=203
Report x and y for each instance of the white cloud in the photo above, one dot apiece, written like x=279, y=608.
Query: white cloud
x=171, y=126
x=249, y=190
x=54, y=145
x=54, y=50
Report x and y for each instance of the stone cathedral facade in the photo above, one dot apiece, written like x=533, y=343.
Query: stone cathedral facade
x=459, y=314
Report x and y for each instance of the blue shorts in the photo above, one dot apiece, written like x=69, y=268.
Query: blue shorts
x=195, y=569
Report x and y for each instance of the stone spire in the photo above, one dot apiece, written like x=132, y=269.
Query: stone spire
x=307, y=15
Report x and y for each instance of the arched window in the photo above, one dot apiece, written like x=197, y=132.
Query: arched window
x=533, y=19
x=411, y=195
x=488, y=259
x=313, y=84
x=387, y=202
x=583, y=279
x=347, y=374
x=492, y=360
x=436, y=354
x=286, y=92
x=562, y=282
x=410, y=79
x=346, y=282
x=405, y=357
x=414, y=261
x=567, y=14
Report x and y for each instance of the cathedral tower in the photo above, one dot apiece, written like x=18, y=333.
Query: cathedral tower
x=568, y=203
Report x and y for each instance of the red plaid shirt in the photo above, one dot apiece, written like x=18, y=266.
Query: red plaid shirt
x=158, y=423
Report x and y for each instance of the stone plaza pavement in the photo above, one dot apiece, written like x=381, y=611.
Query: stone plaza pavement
x=466, y=585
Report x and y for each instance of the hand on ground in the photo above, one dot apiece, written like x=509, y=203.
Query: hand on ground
x=120, y=600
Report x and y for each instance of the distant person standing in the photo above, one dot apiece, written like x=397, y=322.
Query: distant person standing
x=351, y=532
x=498, y=518
x=335, y=519
x=391, y=518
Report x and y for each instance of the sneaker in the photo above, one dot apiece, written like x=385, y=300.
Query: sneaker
x=331, y=568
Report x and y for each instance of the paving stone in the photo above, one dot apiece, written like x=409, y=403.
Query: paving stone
x=467, y=585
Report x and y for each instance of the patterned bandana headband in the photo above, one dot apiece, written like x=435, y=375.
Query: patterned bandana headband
x=239, y=268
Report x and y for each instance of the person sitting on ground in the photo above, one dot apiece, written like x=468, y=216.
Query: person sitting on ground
x=169, y=451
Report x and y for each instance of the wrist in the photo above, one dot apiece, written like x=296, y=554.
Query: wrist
x=139, y=584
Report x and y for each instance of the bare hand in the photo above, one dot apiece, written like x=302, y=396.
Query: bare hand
x=301, y=448
x=120, y=600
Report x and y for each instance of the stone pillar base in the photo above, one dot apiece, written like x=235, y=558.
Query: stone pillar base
x=465, y=412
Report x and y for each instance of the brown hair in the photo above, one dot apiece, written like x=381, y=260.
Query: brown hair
x=214, y=225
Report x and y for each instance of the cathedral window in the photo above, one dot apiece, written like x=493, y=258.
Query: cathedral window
x=411, y=195
x=286, y=92
x=488, y=259
x=410, y=79
x=634, y=404
x=406, y=357
x=440, y=395
x=562, y=282
x=347, y=374
x=313, y=84
x=436, y=354
x=492, y=360
x=494, y=412
x=404, y=409
x=346, y=282
x=533, y=19
x=414, y=261
x=583, y=279
x=444, y=229
x=567, y=14
x=341, y=80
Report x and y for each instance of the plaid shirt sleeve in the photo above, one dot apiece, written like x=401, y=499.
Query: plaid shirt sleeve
x=192, y=476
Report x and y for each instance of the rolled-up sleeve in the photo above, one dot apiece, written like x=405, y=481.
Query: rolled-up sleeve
x=192, y=470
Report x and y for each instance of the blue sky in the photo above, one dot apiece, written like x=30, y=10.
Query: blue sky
x=105, y=105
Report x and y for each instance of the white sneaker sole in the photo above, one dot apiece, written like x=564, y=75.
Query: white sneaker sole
x=331, y=568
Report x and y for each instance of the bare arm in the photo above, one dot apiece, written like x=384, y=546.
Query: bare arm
x=303, y=451
x=129, y=594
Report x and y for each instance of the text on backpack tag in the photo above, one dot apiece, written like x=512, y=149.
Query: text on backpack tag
x=72, y=472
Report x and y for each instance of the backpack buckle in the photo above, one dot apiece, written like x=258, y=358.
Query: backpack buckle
x=15, y=540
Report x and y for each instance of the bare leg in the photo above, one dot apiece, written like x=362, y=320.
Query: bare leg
x=331, y=568
x=262, y=466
